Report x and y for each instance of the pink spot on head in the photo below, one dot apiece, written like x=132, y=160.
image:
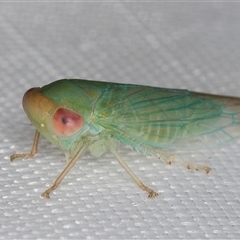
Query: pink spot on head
x=67, y=122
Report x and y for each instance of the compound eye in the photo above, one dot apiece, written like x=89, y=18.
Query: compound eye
x=67, y=122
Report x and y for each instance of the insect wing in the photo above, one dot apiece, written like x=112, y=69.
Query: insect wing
x=168, y=119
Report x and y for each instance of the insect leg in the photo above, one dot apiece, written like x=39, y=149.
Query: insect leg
x=193, y=166
x=65, y=171
x=151, y=193
x=169, y=159
x=33, y=150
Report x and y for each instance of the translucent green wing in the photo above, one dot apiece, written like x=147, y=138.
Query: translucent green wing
x=167, y=119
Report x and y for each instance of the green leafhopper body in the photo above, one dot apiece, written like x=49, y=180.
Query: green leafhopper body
x=77, y=115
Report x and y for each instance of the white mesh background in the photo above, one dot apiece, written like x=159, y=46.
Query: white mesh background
x=176, y=45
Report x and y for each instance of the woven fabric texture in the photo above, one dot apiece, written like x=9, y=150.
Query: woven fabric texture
x=183, y=45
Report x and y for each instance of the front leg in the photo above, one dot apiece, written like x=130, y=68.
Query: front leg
x=33, y=150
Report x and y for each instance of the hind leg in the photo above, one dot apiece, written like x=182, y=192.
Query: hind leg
x=169, y=159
